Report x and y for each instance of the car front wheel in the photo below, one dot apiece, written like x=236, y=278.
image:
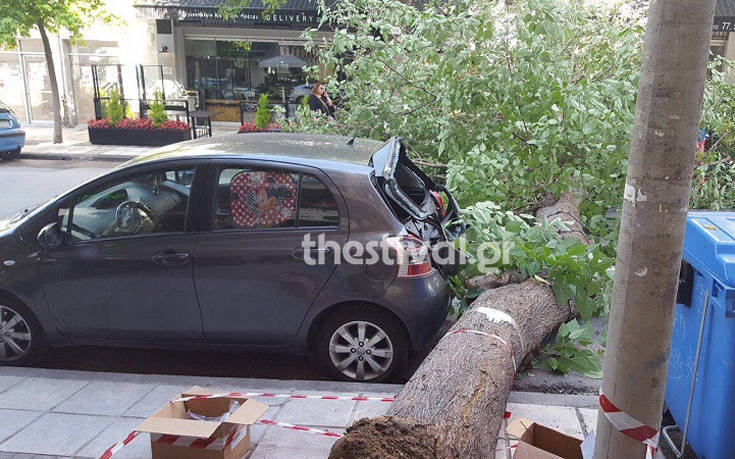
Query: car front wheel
x=362, y=343
x=8, y=155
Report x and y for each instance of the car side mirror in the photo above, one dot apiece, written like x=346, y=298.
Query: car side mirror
x=50, y=236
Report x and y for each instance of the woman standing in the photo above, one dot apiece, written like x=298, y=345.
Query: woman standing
x=319, y=101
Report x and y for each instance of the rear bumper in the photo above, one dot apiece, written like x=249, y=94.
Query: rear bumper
x=12, y=139
x=422, y=303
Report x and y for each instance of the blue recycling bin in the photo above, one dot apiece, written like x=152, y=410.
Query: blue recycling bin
x=708, y=267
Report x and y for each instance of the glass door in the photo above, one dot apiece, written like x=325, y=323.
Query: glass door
x=38, y=89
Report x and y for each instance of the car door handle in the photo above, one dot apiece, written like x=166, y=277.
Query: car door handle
x=171, y=258
x=299, y=253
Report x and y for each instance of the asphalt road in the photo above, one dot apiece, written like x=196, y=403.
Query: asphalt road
x=26, y=182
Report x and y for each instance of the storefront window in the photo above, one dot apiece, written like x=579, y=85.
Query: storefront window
x=228, y=72
x=11, y=83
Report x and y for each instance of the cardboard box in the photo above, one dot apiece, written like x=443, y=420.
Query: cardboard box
x=175, y=436
x=541, y=442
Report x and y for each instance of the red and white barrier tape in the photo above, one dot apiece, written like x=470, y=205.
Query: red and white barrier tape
x=500, y=450
x=289, y=396
x=489, y=335
x=209, y=443
x=287, y=425
x=499, y=317
x=119, y=445
x=629, y=426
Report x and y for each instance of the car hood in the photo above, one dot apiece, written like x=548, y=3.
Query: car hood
x=9, y=116
x=11, y=221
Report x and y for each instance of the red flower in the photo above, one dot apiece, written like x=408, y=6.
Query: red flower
x=249, y=126
x=174, y=125
x=104, y=123
x=139, y=123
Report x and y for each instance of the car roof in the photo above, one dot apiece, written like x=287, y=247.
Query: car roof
x=306, y=148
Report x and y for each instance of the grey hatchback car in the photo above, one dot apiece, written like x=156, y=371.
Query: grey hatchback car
x=202, y=245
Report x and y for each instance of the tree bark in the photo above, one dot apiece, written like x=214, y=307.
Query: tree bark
x=55, y=101
x=657, y=188
x=453, y=406
x=566, y=209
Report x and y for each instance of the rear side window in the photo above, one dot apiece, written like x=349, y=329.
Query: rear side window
x=410, y=184
x=257, y=198
x=248, y=198
x=317, y=206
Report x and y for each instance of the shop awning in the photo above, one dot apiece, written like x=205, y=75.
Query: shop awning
x=724, y=16
x=286, y=61
x=294, y=13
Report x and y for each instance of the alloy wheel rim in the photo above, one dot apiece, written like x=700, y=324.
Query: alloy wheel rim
x=15, y=335
x=361, y=350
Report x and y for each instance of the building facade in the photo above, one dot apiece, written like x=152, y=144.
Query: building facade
x=174, y=45
x=228, y=62
x=24, y=82
x=723, y=30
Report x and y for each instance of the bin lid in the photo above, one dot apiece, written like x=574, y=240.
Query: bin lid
x=709, y=243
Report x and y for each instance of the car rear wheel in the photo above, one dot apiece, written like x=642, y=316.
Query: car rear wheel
x=8, y=155
x=362, y=343
x=21, y=338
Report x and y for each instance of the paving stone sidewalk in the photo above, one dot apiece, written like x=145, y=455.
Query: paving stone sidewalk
x=76, y=144
x=64, y=413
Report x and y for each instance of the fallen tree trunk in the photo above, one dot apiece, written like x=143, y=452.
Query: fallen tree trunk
x=566, y=209
x=453, y=405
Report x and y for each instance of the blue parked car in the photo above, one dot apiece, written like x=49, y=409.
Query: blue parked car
x=12, y=137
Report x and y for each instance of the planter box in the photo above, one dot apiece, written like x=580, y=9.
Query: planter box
x=137, y=137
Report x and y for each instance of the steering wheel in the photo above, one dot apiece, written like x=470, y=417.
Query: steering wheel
x=133, y=216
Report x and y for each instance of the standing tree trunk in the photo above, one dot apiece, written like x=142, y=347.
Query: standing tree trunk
x=54, y=83
x=656, y=201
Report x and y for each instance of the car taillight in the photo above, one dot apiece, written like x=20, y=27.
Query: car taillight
x=440, y=202
x=412, y=256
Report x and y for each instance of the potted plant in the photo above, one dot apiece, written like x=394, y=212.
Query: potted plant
x=263, y=119
x=155, y=131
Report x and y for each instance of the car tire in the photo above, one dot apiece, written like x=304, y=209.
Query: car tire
x=17, y=322
x=9, y=155
x=381, y=357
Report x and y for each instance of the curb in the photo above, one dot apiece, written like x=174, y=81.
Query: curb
x=219, y=382
x=75, y=157
x=546, y=381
